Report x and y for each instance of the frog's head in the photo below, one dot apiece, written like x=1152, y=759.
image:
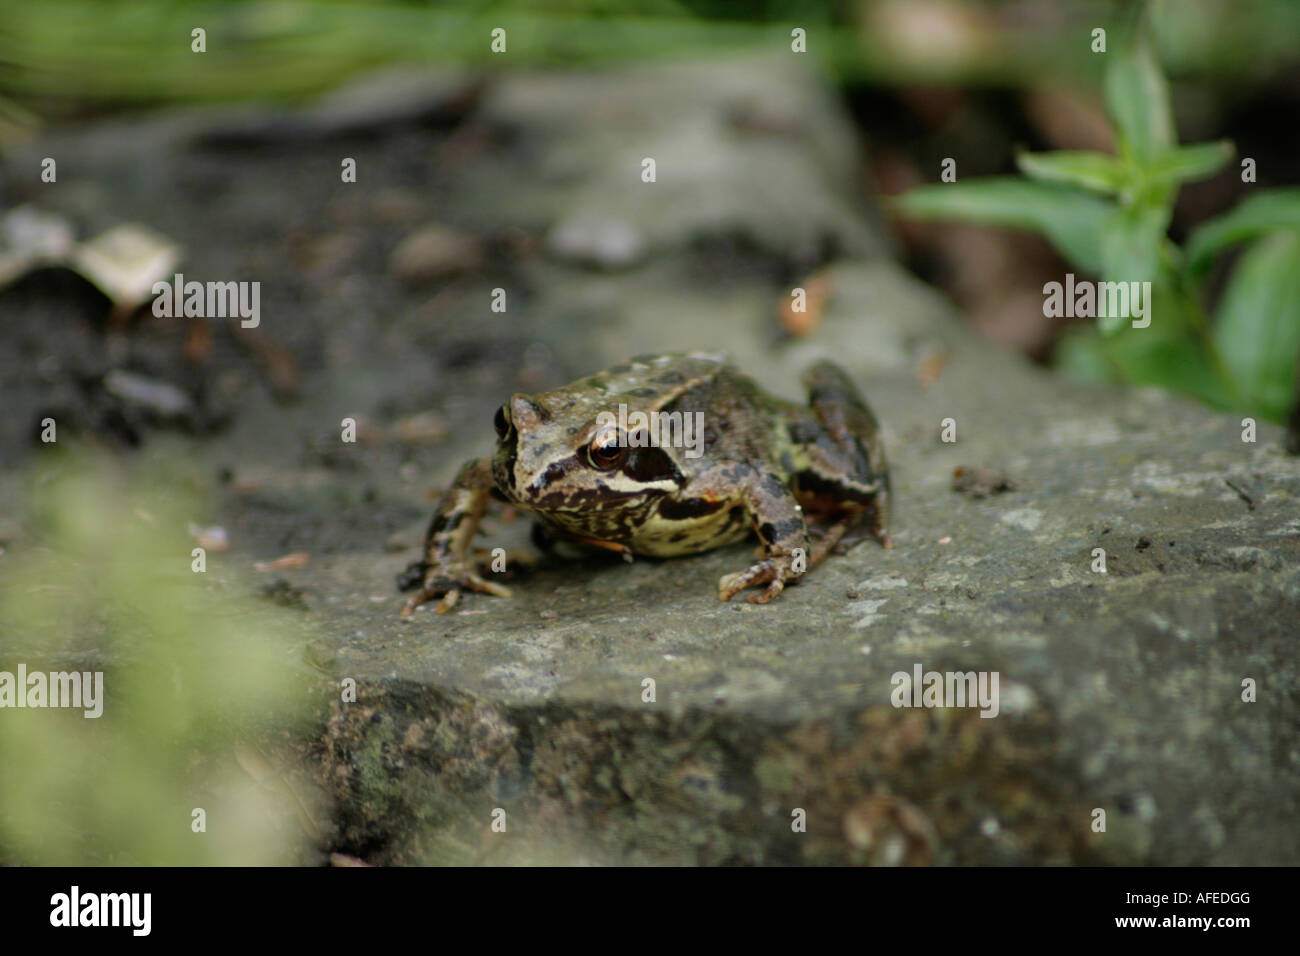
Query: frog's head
x=562, y=454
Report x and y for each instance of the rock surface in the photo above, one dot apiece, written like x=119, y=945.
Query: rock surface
x=1120, y=691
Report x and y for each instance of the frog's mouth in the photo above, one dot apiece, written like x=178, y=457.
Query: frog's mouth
x=503, y=468
x=539, y=494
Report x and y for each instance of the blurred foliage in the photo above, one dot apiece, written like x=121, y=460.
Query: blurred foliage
x=193, y=680
x=1109, y=215
x=58, y=56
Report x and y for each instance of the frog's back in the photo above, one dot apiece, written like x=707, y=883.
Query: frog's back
x=740, y=419
x=648, y=381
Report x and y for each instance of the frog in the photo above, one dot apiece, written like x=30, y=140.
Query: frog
x=612, y=462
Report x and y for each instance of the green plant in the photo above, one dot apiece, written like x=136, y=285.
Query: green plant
x=1108, y=216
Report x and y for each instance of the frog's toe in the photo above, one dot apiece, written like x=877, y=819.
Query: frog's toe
x=415, y=600
x=771, y=572
x=769, y=592
x=476, y=583
x=449, y=587
x=730, y=585
x=450, y=594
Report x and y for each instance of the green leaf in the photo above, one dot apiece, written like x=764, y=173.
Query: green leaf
x=1093, y=171
x=1130, y=249
x=1258, y=328
x=1071, y=220
x=1265, y=211
x=1178, y=365
x=1188, y=163
x=1167, y=353
x=1080, y=354
x=1137, y=99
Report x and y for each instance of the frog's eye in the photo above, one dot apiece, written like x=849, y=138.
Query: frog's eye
x=607, y=450
x=500, y=422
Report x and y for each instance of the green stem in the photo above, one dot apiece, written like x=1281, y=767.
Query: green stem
x=1202, y=328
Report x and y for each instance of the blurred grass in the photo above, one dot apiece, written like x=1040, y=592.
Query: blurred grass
x=193, y=679
x=61, y=56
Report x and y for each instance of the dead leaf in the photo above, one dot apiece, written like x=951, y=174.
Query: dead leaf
x=817, y=289
x=125, y=262
x=932, y=365
x=295, y=560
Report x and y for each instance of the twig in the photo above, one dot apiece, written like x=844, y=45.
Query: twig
x=1250, y=502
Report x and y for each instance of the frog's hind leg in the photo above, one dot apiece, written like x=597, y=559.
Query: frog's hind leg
x=856, y=451
x=827, y=542
x=446, y=568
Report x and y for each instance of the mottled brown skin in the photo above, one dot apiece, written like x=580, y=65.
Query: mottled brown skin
x=768, y=466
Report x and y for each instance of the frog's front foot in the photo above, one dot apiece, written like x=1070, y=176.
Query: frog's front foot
x=774, y=572
x=447, y=584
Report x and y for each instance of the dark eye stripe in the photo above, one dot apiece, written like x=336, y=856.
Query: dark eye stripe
x=651, y=464
x=692, y=508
